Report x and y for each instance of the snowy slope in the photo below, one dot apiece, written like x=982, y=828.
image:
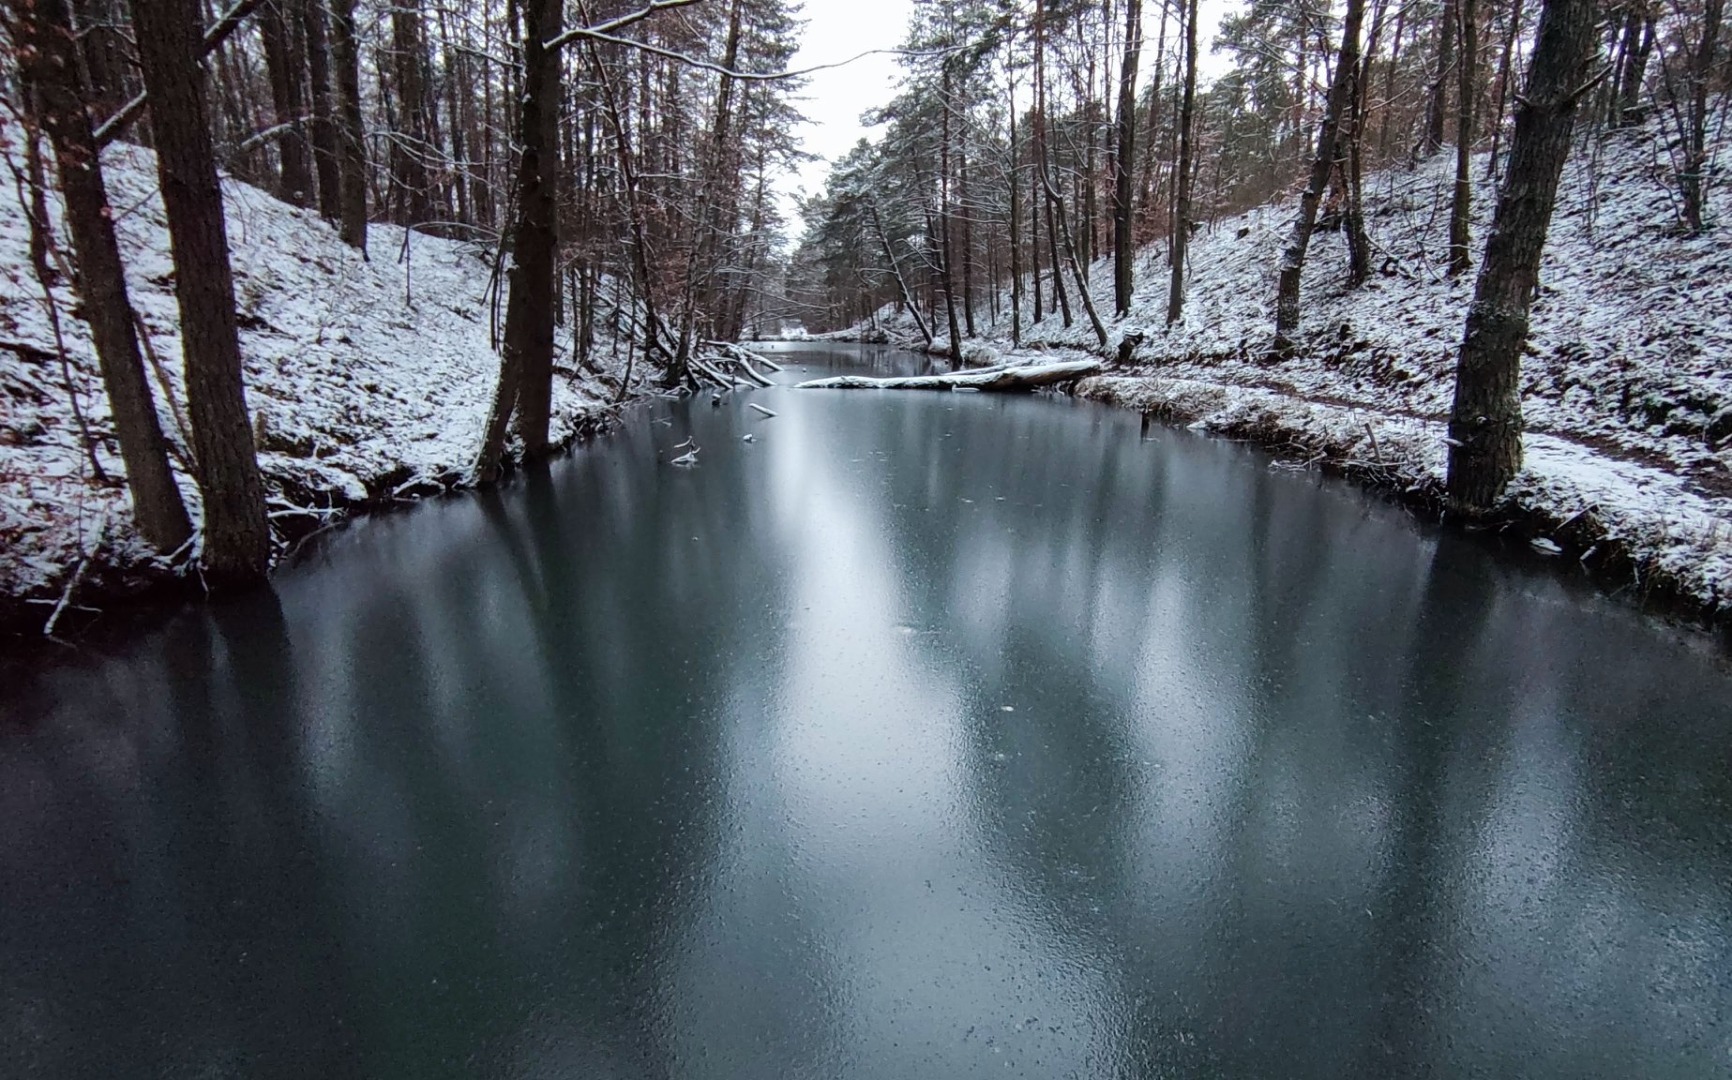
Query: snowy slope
x=1627, y=381
x=367, y=380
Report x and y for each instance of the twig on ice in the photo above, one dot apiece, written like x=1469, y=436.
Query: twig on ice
x=768, y=413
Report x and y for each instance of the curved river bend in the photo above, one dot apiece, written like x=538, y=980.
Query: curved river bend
x=926, y=735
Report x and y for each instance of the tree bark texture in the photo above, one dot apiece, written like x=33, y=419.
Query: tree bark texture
x=237, y=541
x=48, y=56
x=1461, y=203
x=283, y=32
x=1181, y=235
x=526, y=358
x=1485, y=426
x=1293, y=255
x=1124, y=243
x=351, y=136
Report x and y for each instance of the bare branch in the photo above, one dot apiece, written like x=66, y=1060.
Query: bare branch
x=578, y=32
x=215, y=36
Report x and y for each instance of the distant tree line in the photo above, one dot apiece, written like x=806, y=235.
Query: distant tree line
x=1033, y=137
x=613, y=158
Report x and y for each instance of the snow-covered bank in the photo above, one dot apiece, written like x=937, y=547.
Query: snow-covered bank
x=1638, y=528
x=1627, y=380
x=368, y=382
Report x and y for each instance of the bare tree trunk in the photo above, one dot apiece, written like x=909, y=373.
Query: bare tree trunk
x=1358, y=240
x=526, y=360
x=1182, y=182
x=1146, y=183
x=323, y=131
x=237, y=539
x=1436, y=109
x=1633, y=54
x=1691, y=177
x=455, y=91
x=708, y=222
x=99, y=29
x=1293, y=255
x=1034, y=204
x=281, y=29
x=967, y=215
x=410, y=148
x=1015, y=230
x=49, y=61
x=1504, y=75
x=351, y=135
x=947, y=275
x=1061, y=299
x=1124, y=243
x=640, y=240
x=1082, y=281
x=1485, y=426
x=1461, y=205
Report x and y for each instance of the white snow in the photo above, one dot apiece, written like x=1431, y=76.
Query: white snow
x=1627, y=381
x=367, y=379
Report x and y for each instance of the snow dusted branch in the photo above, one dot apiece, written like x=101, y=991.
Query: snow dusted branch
x=216, y=35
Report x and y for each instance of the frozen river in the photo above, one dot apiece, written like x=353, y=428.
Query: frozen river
x=924, y=735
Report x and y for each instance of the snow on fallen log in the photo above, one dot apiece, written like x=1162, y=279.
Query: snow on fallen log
x=726, y=365
x=1003, y=378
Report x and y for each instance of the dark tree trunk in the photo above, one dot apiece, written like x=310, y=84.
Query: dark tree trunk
x=1060, y=295
x=1437, y=105
x=455, y=66
x=100, y=29
x=1293, y=255
x=283, y=32
x=1461, y=205
x=1353, y=171
x=409, y=150
x=1485, y=426
x=36, y=176
x=946, y=272
x=1077, y=274
x=50, y=62
x=962, y=201
x=1043, y=158
x=1182, y=182
x=1146, y=183
x=322, y=130
x=1034, y=205
x=1503, y=77
x=1633, y=53
x=1352, y=163
x=1124, y=244
x=237, y=539
x=526, y=359
x=351, y=135
x=1691, y=178
x=1015, y=231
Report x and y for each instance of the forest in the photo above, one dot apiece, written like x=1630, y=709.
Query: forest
x=1051, y=174
x=610, y=166
x=872, y=539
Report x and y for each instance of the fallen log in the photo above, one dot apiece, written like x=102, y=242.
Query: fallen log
x=1005, y=378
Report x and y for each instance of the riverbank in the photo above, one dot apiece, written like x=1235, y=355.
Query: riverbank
x=1627, y=389
x=368, y=380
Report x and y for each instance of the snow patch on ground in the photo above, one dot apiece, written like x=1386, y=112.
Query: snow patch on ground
x=368, y=379
x=1627, y=381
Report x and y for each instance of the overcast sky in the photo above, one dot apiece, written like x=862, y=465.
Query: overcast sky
x=838, y=29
